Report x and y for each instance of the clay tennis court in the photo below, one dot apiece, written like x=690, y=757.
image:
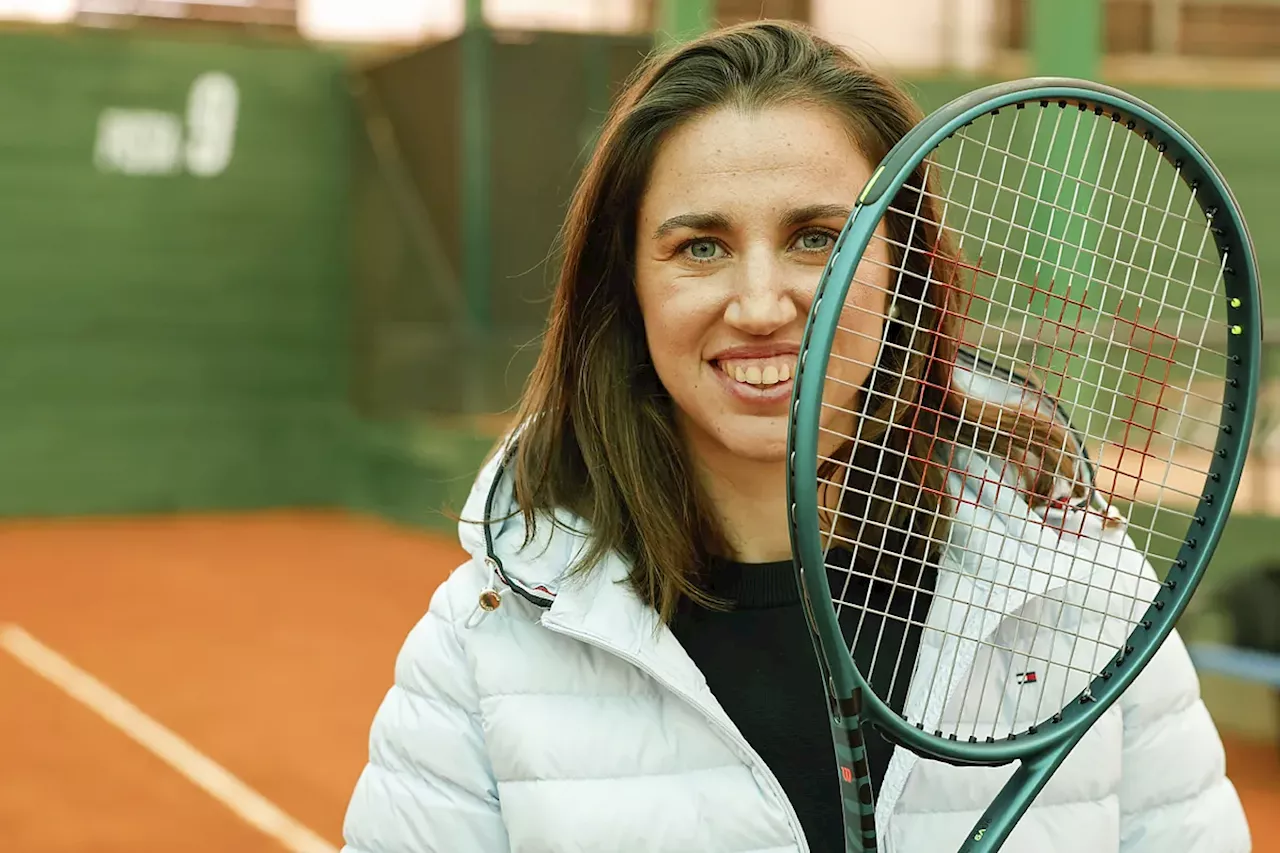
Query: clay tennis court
x=258, y=645
x=265, y=642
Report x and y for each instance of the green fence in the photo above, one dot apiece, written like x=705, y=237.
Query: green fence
x=231, y=270
x=409, y=265
x=173, y=274
x=548, y=94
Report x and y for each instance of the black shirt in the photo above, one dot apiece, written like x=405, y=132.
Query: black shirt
x=758, y=659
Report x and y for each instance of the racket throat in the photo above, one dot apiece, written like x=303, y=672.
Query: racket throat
x=992, y=829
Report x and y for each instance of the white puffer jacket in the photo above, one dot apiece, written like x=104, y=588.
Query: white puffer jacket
x=568, y=720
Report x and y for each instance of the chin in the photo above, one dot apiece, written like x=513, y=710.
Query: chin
x=757, y=456
x=755, y=442
x=749, y=438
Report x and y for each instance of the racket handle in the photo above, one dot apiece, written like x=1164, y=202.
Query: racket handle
x=855, y=786
x=992, y=829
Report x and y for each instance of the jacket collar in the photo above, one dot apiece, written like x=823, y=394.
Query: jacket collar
x=598, y=606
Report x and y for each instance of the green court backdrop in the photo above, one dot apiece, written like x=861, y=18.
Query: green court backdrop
x=173, y=273
x=191, y=325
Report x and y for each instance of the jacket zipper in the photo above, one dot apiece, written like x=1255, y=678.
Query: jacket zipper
x=733, y=737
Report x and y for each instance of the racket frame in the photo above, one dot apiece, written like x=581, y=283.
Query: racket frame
x=851, y=700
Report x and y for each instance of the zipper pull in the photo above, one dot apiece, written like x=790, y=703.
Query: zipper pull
x=490, y=598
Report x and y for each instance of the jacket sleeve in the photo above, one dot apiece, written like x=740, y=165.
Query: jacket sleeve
x=1175, y=796
x=428, y=786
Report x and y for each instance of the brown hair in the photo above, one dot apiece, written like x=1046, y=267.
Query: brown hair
x=597, y=434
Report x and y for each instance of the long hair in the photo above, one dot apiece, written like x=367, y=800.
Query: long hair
x=883, y=492
x=597, y=429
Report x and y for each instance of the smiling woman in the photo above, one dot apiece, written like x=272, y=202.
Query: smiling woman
x=741, y=212
x=625, y=665
x=692, y=250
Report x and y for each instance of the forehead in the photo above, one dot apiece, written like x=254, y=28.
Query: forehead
x=786, y=155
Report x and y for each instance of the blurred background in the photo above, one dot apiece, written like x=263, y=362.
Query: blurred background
x=272, y=274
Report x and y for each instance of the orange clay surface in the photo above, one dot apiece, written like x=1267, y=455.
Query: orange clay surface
x=266, y=641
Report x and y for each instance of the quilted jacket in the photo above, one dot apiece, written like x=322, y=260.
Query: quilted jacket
x=570, y=720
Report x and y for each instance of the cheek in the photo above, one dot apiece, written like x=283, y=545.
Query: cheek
x=857, y=343
x=676, y=320
x=854, y=350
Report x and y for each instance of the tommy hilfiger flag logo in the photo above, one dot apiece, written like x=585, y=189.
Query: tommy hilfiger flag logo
x=1026, y=678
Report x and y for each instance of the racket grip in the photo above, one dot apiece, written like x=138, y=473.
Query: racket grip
x=855, y=786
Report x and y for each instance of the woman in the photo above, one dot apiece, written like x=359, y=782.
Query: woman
x=623, y=664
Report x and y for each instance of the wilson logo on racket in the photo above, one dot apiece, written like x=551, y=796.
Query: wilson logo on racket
x=846, y=774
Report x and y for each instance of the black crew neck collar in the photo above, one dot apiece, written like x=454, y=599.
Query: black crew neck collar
x=751, y=585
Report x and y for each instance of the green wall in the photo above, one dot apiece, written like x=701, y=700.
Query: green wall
x=170, y=340
x=177, y=341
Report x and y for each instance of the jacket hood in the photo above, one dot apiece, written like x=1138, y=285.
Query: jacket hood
x=493, y=531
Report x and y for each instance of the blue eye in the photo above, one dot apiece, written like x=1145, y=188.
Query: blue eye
x=703, y=250
x=815, y=241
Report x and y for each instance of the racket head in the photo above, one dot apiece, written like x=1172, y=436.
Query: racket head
x=1181, y=570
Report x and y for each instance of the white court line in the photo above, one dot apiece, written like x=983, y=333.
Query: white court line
x=216, y=781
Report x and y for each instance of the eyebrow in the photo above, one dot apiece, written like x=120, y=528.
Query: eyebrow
x=720, y=222
x=816, y=211
x=694, y=222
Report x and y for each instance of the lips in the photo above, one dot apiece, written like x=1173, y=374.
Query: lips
x=760, y=366
x=759, y=371
x=758, y=376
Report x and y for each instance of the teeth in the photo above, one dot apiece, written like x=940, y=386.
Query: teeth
x=763, y=372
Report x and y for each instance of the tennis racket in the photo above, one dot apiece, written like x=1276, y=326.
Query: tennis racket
x=1023, y=401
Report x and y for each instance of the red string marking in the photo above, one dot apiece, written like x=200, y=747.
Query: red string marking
x=1080, y=304
x=1054, y=336
x=1144, y=378
x=1037, y=393
x=967, y=297
x=1060, y=336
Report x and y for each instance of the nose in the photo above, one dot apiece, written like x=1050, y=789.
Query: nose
x=763, y=303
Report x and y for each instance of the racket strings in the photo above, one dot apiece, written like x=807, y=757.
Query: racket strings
x=1168, y=209
x=1090, y=563
x=1130, y=266
x=1000, y=278
x=1194, y=393
x=1098, y=286
x=1194, y=429
x=1140, y=206
x=1092, y=187
x=843, y=491
x=1173, y=482
x=1138, y=237
x=1190, y=336
x=1192, y=433
x=1168, y=337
